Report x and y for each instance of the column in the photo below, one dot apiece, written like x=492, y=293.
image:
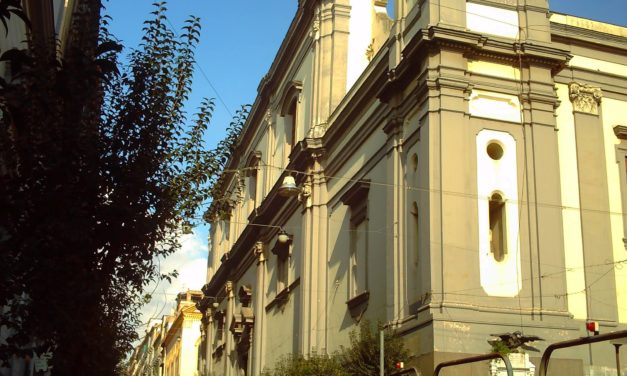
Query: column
x=228, y=345
x=395, y=239
x=259, y=310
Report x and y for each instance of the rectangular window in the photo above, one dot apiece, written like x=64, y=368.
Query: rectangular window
x=359, y=247
x=356, y=197
x=290, y=127
x=227, y=229
x=282, y=250
x=252, y=191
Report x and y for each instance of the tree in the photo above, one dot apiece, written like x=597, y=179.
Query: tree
x=98, y=169
x=362, y=357
x=313, y=365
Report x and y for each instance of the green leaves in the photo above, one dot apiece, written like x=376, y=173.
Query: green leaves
x=361, y=358
x=313, y=365
x=9, y=8
x=99, y=167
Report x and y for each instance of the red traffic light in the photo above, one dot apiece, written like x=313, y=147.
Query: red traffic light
x=399, y=365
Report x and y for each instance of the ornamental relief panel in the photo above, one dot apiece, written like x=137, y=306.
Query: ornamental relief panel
x=585, y=98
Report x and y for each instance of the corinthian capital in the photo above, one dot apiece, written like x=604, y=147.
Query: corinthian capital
x=585, y=98
x=228, y=288
x=258, y=251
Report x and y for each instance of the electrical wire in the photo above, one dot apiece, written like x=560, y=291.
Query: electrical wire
x=520, y=202
x=202, y=72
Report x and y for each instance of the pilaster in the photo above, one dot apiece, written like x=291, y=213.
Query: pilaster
x=259, y=311
x=594, y=200
x=229, y=345
x=395, y=239
x=209, y=340
x=314, y=265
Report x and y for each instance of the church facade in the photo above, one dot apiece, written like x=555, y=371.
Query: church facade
x=455, y=171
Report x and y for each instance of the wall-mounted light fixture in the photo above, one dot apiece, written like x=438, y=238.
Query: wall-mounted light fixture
x=288, y=188
x=283, y=237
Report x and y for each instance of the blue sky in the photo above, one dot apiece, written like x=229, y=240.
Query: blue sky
x=238, y=42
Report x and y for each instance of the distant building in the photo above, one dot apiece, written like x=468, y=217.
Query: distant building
x=146, y=359
x=182, y=338
x=455, y=172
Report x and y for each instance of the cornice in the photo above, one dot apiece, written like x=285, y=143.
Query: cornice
x=357, y=193
x=291, y=90
x=574, y=33
x=470, y=44
x=621, y=132
x=269, y=212
x=305, y=152
x=253, y=158
x=297, y=32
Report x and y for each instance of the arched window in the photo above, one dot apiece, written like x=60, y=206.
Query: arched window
x=289, y=111
x=498, y=241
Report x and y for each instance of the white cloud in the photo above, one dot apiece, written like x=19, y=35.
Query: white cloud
x=191, y=263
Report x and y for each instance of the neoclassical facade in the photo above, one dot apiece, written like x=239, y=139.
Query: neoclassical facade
x=180, y=341
x=458, y=171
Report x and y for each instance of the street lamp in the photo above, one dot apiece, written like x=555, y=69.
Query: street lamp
x=288, y=188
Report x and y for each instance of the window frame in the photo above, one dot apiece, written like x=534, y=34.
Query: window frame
x=356, y=197
x=621, y=160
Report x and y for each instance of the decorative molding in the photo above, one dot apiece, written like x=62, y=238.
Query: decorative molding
x=493, y=105
x=370, y=51
x=290, y=93
x=393, y=126
x=305, y=194
x=357, y=193
x=510, y=3
x=314, y=33
x=252, y=160
x=520, y=364
x=240, y=187
x=621, y=132
x=245, y=295
x=241, y=327
x=358, y=304
x=258, y=252
x=228, y=288
x=585, y=98
x=282, y=250
x=317, y=130
x=267, y=118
